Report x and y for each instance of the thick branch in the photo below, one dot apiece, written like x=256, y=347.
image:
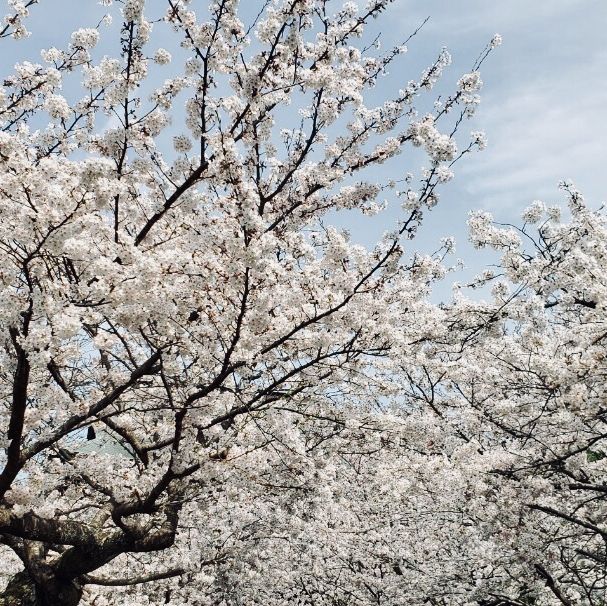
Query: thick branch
x=158, y=576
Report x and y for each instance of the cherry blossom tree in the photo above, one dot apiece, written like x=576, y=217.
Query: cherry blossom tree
x=207, y=390
x=522, y=379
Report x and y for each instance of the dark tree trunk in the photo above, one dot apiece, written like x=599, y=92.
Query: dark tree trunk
x=23, y=591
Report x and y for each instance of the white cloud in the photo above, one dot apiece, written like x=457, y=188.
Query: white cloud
x=543, y=107
x=462, y=17
x=545, y=130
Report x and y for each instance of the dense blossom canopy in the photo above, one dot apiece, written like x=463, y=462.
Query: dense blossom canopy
x=211, y=396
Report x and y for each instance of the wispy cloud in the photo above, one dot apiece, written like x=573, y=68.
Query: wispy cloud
x=542, y=131
x=544, y=104
x=464, y=17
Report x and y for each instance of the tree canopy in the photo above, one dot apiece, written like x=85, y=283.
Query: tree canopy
x=212, y=396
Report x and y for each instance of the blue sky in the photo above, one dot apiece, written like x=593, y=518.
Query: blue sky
x=545, y=97
x=543, y=105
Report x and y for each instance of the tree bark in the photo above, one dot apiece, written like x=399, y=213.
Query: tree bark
x=22, y=590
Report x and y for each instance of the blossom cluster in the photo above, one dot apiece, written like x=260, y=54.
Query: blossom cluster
x=213, y=395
